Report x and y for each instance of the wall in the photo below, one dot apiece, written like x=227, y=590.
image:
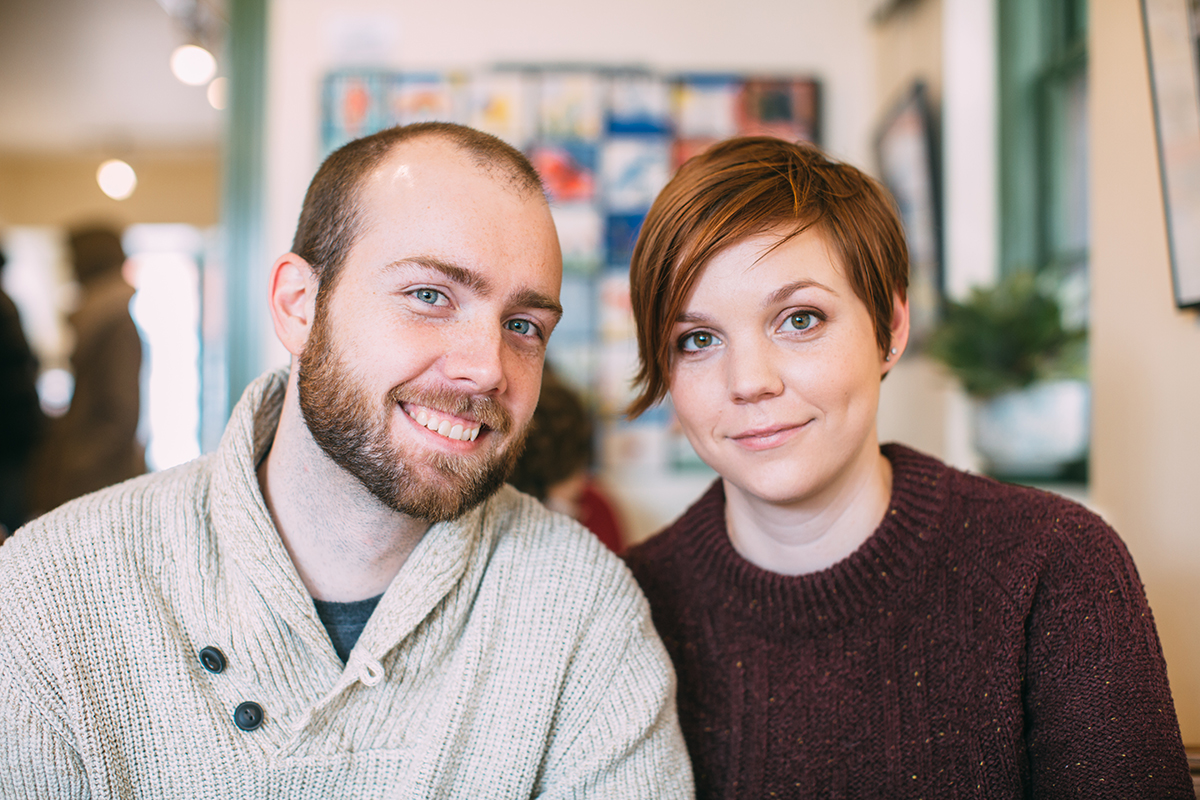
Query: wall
x=1145, y=354
x=908, y=48
x=60, y=189
x=307, y=38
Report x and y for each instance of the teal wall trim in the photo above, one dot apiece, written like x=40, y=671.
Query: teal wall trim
x=243, y=206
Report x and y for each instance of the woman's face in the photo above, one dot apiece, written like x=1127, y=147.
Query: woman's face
x=776, y=370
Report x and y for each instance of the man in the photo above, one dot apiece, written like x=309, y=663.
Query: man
x=163, y=638
x=95, y=444
x=21, y=418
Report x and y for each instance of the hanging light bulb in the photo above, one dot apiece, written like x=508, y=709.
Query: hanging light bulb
x=193, y=65
x=116, y=178
x=218, y=93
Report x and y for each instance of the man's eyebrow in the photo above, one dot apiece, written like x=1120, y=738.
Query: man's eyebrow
x=529, y=298
x=461, y=275
x=526, y=298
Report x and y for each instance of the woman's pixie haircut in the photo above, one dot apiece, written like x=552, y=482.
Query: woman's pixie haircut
x=742, y=187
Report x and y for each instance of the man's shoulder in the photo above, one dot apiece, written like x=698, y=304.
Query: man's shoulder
x=116, y=528
x=523, y=528
x=548, y=550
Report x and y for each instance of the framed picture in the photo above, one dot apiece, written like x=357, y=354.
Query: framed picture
x=1171, y=47
x=787, y=108
x=353, y=104
x=907, y=153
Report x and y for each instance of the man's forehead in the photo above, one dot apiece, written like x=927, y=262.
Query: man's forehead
x=430, y=199
x=432, y=163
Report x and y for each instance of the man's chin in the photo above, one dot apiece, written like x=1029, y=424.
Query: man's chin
x=439, y=493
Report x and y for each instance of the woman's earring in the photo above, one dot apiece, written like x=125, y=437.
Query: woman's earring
x=888, y=357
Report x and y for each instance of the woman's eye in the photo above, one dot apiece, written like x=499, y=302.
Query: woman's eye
x=698, y=340
x=522, y=327
x=431, y=296
x=800, y=321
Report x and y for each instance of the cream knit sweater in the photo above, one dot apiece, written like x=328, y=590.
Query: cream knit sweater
x=513, y=656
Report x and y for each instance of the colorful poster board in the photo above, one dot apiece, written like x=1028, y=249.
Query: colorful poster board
x=605, y=142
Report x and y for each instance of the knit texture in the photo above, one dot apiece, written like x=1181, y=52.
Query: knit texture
x=513, y=655
x=987, y=641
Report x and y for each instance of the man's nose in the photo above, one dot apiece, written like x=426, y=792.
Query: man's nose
x=475, y=356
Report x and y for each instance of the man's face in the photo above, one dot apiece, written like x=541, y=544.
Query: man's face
x=423, y=365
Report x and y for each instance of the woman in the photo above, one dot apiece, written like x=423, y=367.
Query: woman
x=848, y=620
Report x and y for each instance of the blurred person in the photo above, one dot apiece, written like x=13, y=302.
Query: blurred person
x=847, y=619
x=344, y=599
x=555, y=466
x=21, y=419
x=95, y=443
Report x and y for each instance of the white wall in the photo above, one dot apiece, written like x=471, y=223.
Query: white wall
x=829, y=40
x=1145, y=354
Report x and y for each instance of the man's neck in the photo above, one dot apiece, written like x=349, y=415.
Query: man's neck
x=346, y=544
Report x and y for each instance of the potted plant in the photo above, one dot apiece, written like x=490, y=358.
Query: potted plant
x=1009, y=347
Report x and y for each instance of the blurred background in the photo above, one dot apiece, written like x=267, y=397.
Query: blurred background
x=1018, y=136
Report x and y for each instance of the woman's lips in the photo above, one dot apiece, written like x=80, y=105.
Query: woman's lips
x=767, y=437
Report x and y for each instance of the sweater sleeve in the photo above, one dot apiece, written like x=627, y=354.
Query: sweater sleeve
x=35, y=760
x=619, y=733
x=1100, y=722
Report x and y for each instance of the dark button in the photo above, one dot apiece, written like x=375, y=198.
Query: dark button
x=248, y=716
x=212, y=659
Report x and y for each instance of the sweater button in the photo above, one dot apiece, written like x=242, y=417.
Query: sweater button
x=213, y=660
x=248, y=716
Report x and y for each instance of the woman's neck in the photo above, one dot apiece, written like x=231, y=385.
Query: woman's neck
x=815, y=533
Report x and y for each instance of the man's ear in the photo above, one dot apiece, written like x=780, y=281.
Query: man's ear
x=293, y=298
x=900, y=320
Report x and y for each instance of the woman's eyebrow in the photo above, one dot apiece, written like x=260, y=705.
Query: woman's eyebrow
x=693, y=318
x=779, y=295
x=787, y=290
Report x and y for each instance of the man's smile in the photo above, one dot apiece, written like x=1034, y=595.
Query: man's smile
x=444, y=424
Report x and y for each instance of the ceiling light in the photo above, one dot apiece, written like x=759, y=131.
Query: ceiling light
x=218, y=93
x=193, y=65
x=116, y=178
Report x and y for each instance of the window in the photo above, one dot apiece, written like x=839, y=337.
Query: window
x=1043, y=135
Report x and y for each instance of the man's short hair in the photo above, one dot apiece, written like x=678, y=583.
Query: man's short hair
x=742, y=187
x=331, y=218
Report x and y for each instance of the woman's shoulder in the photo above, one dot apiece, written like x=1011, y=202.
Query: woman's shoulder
x=1032, y=550
x=1020, y=528
x=969, y=495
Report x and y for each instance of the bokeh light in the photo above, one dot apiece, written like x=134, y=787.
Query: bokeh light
x=116, y=178
x=193, y=65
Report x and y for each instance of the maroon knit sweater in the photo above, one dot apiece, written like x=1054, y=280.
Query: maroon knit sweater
x=987, y=641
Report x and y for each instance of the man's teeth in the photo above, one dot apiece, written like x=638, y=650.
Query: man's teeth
x=444, y=427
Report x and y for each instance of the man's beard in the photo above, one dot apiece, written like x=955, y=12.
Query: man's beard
x=354, y=433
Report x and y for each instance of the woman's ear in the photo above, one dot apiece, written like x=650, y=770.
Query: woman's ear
x=900, y=320
x=293, y=297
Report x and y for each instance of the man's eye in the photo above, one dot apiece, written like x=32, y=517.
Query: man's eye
x=697, y=340
x=522, y=327
x=431, y=296
x=800, y=321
